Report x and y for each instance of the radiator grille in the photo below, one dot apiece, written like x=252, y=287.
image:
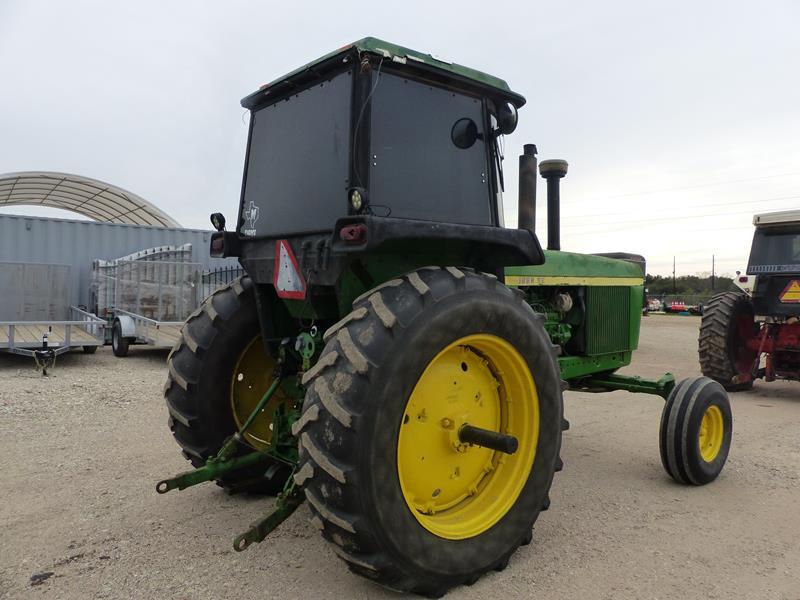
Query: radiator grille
x=608, y=317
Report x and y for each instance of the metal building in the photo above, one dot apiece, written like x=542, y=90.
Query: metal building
x=47, y=264
x=55, y=257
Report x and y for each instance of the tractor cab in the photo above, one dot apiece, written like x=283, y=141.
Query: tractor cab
x=375, y=129
x=774, y=264
x=374, y=150
x=376, y=160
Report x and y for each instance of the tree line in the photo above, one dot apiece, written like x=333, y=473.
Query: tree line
x=687, y=284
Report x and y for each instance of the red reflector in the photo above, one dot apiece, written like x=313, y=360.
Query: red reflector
x=353, y=233
x=218, y=245
x=742, y=279
x=288, y=280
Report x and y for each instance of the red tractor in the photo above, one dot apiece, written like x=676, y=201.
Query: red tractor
x=762, y=319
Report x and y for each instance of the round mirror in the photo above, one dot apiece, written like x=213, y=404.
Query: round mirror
x=464, y=133
x=507, y=118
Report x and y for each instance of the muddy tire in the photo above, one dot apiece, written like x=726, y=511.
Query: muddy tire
x=198, y=387
x=696, y=430
x=372, y=411
x=728, y=322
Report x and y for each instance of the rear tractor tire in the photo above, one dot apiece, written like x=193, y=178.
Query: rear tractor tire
x=389, y=480
x=696, y=430
x=728, y=323
x=218, y=371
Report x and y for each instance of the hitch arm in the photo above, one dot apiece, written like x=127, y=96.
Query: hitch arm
x=211, y=470
x=287, y=503
x=226, y=460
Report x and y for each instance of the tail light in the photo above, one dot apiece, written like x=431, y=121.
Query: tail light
x=217, y=245
x=353, y=234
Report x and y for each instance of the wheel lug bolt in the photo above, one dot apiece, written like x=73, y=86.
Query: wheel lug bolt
x=447, y=423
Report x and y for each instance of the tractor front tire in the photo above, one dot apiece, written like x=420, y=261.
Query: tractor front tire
x=728, y=323
x=696, y=430
x=203, y=372
x=388, y=481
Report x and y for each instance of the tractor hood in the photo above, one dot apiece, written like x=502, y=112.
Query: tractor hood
x=568, y=268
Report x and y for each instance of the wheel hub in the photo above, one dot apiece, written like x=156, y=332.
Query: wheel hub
x=712, y=429
x=453, y=488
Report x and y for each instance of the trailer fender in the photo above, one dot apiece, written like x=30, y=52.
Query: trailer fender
x=127, y=325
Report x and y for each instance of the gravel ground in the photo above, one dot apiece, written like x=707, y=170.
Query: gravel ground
x=80, y=453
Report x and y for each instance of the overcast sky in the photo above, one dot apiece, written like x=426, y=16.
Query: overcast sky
x=679, y=120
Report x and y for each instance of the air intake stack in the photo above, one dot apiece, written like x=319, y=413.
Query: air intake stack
x=553, y=171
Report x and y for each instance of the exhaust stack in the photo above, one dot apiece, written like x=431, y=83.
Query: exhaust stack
x=553, y=171
x=526, y=204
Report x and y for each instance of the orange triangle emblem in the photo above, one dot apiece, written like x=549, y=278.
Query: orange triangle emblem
x=791, y=295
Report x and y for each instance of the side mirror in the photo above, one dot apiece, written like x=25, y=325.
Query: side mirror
x=507, y=118
x=464, y=133
x=218, y=221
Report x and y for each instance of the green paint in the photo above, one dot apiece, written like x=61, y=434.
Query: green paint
x=573, y=367
x=613, y=307
x=407, y=57
x=638, y=385
x=636, y=304
x=560, y=333
x=570, y=264
x=286, y=504
x=259, y=407
x=211, y=470
x=608, y=319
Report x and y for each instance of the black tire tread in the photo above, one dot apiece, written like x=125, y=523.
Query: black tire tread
x=184, y=364
x=713, y=343
x=121, y=348
x=346, y=359
x=673, y=430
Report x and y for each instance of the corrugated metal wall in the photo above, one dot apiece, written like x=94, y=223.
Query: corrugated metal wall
x=42, y=240
x=34, y=292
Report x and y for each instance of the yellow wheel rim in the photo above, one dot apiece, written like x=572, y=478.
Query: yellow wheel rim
x=250, y=380
x=712, y=429
x=454, y=490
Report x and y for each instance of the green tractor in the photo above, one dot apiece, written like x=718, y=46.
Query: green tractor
x=395, y=355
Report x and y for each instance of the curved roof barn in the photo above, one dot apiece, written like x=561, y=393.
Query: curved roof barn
x=89, y=197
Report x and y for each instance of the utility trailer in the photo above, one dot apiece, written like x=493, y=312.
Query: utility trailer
x=150, y=300
x=145, y=296
x=45, y=340
x=158, y=300
x=130, y=328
